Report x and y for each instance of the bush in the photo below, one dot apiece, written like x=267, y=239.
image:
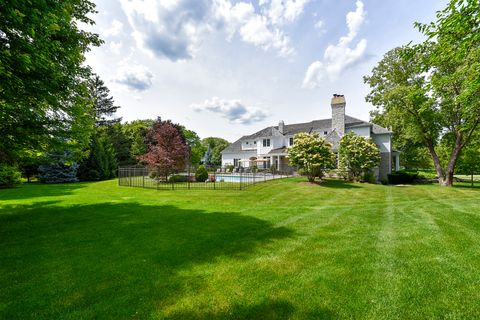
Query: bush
x=229, y=168
x=369, y=177
x=9, y=176
x=201, y=174
x=178, y=178
x=402, y=177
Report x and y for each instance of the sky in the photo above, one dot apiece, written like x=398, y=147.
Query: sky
x=228, y=68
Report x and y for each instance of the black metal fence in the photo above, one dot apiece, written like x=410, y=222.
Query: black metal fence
x=142, y=177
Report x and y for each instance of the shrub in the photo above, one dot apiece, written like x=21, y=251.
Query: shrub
x=357, y=155
x=229, y=168
x=312, y=154
x=178, y=178
x=201, y=174
x=9, y=176
x=402, y=177
x=369, y=177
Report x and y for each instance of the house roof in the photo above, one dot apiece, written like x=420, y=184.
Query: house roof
x=315, y=125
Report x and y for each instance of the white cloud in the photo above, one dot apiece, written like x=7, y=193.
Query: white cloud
x=115, y=47
x=168, y=28
x=233, y=110
x=174, y=29
x=339, y=57
x=320, y=25
x=284, y=11
x=114, y=30
x=134, y=77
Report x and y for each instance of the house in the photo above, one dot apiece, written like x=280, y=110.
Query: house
x=268, y=146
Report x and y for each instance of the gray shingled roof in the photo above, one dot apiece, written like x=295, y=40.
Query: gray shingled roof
x=317, y=125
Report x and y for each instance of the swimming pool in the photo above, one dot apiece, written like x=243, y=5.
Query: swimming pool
x=227, y=178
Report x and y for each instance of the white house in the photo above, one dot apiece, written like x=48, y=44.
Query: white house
x=269, y=146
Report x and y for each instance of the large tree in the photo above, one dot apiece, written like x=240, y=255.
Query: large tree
x=311, y=153
x=168, y=151
x=433, y=88
x=43, y=82
x=216, y=146
x=197, y=149
x=103, y=104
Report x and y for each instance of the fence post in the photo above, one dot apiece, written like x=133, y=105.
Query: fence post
x=130, y=176
x=188, y=177
x=240, y=181
x=143, y=179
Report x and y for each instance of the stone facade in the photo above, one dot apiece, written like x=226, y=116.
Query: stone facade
x=385, y=166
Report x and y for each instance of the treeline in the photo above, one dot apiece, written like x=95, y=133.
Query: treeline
x=57, y=119
x=111, y=144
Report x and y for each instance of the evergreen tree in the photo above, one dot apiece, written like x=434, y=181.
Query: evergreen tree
x=58, y=168
x=103, y=103
x=101, y=163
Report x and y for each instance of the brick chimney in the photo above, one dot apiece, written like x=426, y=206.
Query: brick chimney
x=281, y=126
x=338, y=114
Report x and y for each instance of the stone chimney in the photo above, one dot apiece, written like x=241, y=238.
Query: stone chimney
x=338, y=114
x=281, y=126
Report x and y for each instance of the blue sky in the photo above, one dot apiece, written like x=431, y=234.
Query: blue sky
x=228, y=68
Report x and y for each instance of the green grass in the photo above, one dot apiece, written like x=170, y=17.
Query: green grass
x=283, y=249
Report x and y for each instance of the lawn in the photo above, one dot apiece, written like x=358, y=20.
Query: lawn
x=282, y=249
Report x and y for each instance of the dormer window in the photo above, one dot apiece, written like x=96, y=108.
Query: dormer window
x=266, y=142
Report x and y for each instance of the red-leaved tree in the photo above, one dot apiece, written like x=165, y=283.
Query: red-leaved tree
x=167, y=149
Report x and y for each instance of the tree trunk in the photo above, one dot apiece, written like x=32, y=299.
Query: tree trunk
x=453, y=160
x=437, y=164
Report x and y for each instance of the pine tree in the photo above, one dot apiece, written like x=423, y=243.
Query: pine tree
x=58, y=169
x=103, y=104
x=101, y=163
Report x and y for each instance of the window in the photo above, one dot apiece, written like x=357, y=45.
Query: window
x=254, y=142
x=325, y=132
x=266, y=142
x=236, y=162
x=291, y=141
x=246, y=142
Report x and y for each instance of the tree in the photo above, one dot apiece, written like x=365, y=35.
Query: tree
x=122, y=144
x=432, y=88
x=58, y=168
x=357, y=155
x=469, y=160
x=312, y=154
x=103, y=104
x=101, y=163
x=197, y=149
x=414, y=154
x=216, y=145
x=167, y=149
x=43, y=82
x=137, y=131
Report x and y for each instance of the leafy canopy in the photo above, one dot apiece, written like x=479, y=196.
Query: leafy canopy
x=311, y=153
x=432, y=89
x=43, y=82
x=357, y=155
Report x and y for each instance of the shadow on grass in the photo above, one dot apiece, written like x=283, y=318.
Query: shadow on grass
x=32, y=190
x=333, y=183
x=267, y=310
x=114, y=260
x=466, y=185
